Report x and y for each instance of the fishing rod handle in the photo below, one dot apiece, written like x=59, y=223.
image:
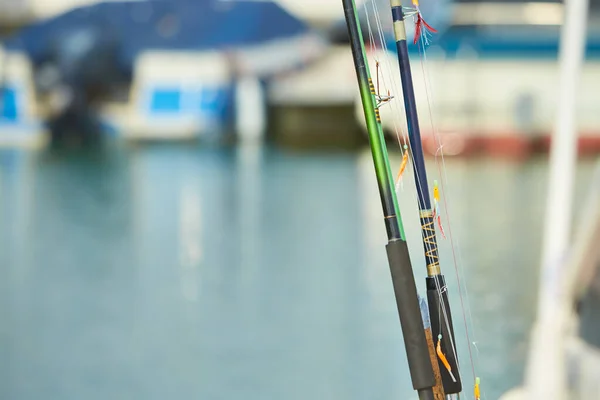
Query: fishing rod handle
x=409, y=311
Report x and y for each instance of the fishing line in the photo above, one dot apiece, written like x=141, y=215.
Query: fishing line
x=400, y=133
x=371, y=37
x=428, y=245
x=400, y=107
x=415, y=345
x=440, y=289
x=442, y=171
x=436, y=278
x=458, y=266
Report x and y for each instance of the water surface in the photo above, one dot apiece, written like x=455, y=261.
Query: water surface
x=178, y=272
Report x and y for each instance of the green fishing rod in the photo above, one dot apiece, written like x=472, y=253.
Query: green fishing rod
x=437, y=293
x=407, y=301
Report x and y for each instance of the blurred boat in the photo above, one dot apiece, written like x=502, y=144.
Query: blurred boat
x=87, y=56
x=19, y=123
x=493, y=82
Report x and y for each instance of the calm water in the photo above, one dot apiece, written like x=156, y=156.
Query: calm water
x=177, y=272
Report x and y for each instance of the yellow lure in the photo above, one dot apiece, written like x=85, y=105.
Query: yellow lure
x=476, y=391
x=436, y=191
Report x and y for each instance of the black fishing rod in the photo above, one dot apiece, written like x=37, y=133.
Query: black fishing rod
x=407, y=300
x=437, y=293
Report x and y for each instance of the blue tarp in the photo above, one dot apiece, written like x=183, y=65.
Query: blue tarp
x=175, y=24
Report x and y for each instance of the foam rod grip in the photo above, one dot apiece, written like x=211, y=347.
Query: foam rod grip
x=405, y=290
x=441, y=322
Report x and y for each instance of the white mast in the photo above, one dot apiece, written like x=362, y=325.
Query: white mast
x=564, y=142
x=546, y=376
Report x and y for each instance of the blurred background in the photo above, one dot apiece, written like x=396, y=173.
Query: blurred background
x=188, y=206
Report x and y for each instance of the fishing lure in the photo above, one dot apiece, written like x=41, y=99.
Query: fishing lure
x=443, y=358
x=436, y=195
x=439, y=221
x=403, y=163
x=399, y=181
x=476, y=391
x=421, y=27
x=436, y=207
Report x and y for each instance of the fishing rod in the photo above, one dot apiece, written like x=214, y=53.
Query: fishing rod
x=405, y=290
x=437, y=293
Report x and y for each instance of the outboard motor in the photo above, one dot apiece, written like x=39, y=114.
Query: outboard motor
x=80, y=68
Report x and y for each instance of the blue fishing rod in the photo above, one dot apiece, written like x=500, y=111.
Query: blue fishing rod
x=437, y=293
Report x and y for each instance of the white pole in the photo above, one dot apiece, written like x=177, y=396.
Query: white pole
x=251, y=110
x=564, y=142
x=546, y=370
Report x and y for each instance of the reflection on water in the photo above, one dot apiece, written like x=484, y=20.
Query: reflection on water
x=177, y=272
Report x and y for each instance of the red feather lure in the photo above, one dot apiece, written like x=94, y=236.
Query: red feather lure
x=421, y=26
